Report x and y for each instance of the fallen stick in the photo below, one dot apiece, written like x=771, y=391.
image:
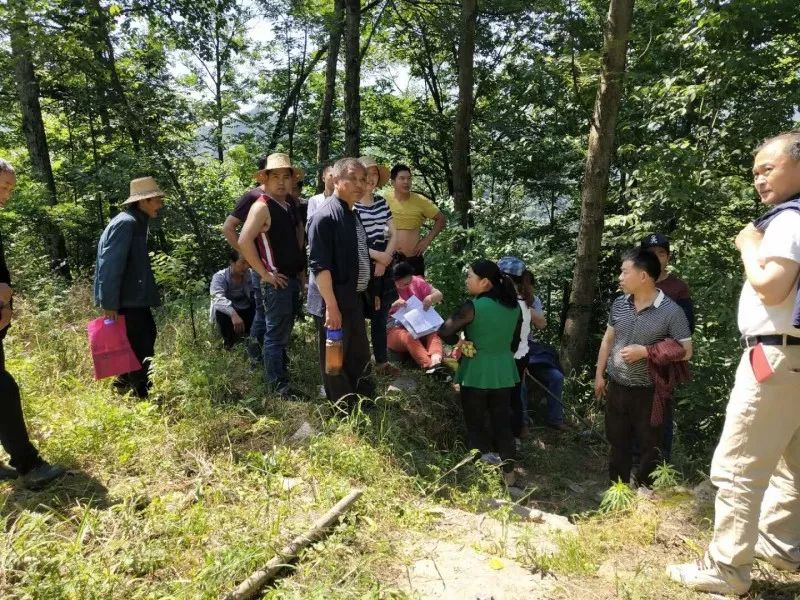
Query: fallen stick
x=253, y=584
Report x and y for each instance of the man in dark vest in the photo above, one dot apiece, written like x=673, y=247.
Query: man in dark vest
x=272, y=241
x=25, y=460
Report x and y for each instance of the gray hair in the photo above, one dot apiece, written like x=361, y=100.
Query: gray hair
x=791, y=141
x=344, y=165
x=5, y=167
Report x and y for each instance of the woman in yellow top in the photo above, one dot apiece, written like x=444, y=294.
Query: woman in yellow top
x=409, y=211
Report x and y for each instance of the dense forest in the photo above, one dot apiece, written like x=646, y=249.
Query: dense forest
x=558, y=130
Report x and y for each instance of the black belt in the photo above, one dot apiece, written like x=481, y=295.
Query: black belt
x=748, y=341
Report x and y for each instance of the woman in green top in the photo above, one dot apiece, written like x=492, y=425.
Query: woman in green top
x=492, y=322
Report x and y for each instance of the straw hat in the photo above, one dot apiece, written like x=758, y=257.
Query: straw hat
x=278, y=160
x=142, y=189
x=383, y=171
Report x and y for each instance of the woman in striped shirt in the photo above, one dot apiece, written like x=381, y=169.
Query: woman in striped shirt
x=373, y=210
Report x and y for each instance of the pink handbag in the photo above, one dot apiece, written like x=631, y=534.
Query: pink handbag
x=111, y=351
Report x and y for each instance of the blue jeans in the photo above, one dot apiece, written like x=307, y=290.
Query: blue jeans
x=553, y=381
x=279, y=306
x=256, y=341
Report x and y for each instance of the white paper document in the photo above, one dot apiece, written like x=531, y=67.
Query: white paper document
x=418, y=321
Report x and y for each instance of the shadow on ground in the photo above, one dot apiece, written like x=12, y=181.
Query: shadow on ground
x=76, y=487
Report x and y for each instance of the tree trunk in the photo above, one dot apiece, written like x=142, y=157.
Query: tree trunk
x=352, y=78
x=33, y=127
x=462, y=172
x=594, y=186
x=218, y=66
x=277, y=131
x=324, y=127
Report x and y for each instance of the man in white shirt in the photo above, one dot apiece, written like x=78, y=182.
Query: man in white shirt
x=316, y=201
x=756, y=466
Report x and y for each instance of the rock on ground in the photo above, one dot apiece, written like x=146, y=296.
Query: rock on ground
x=466, y=555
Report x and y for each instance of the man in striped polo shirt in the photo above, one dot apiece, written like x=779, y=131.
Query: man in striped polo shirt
x=643, y=316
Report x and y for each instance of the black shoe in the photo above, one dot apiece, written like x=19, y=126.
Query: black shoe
x=42, y=476
x=291, y=393
x=7, y=473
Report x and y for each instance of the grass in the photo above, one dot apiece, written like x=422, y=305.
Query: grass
x=184, y=495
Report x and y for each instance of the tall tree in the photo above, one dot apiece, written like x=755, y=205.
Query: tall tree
x=352, y=78
x=594, y=186
x=325, y=116
x=33, y=127
x=462, y=170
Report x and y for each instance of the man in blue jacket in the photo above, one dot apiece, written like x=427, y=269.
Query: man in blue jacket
x=124, y=282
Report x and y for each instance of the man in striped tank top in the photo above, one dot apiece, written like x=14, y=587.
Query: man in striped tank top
x=272, y=243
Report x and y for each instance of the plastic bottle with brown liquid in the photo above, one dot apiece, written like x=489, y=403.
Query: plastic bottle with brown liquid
x=334, y=351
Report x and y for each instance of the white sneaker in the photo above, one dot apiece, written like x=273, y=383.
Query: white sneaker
x=703, y=576
x=776, y=561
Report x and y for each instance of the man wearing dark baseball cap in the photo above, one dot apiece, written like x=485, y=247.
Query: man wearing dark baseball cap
x=676, y=290
x=674, y=287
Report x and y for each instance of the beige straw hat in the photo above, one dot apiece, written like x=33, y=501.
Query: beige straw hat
x=383, y=171
x=279, y=160
x=142, y=189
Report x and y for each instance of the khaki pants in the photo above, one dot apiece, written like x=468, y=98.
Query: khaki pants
x=758, y=459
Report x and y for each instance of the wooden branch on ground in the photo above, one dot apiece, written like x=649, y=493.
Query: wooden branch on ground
x=253, y=584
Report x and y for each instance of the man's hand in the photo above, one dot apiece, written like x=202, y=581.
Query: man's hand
x=110, y=315
x=276, y=280
x=748, y=236
x=600, y=386
x=382, y=258
x=632, y=353
x=422, y=246
x=427, y=303
x=6, y=292
x=333, y=318
x=380, y=269
x=399, y=303
x=238, y=324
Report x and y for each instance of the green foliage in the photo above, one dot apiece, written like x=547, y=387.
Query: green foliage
x=665, y=476
x=617, y=498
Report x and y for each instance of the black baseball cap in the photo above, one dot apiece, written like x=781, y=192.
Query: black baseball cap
x=655, y=240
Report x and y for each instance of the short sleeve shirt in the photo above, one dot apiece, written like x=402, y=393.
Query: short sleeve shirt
x=781, y=240
x=661, y=320
x=418, y=287
x=411, y=213
x=375, y=217
x=242, y=208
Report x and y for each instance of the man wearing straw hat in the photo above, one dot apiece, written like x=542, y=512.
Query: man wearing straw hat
x=272, y=243
x=26, y=463
x=124, y=282
x=229, y=229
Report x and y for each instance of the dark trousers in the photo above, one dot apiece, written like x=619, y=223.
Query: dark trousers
x=628, y=419
x=356, y=374
x=13, y=432
x=553, y=381
x=417, y=262
x=488, y=426
x=256, y=341
x=378, y=320
x=141, y=329
x=225, y=324
x=279, y=311
x=518, y=412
